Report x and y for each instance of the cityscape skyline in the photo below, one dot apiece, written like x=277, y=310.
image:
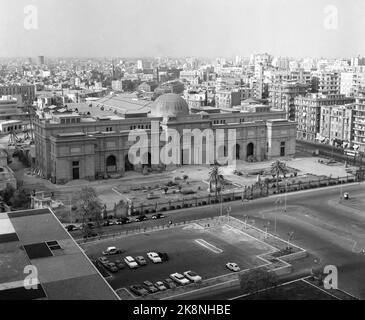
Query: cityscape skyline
x=200, y=28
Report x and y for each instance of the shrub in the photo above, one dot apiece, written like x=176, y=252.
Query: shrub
x=187, y=191
x=204, y=203
x=171, y=208
x=163, y=209
x=178, y=207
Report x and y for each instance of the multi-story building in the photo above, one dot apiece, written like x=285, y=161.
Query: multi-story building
x=227, y=98
x=359, y=121
x=282, y=96
x=308, y=112
x=25, y=93
x=8, y=107
x=287, y=75
x=326, y=82
x=71, y=146
x=351, y=82
x=336, y=123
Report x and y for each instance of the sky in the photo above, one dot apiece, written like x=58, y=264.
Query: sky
x=203, y=28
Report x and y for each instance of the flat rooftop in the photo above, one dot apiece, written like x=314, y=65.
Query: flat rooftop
x=35, y=239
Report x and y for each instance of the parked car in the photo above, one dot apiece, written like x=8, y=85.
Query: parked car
x=169, y=283
x=160, y=286
x=142, y=217
x=107, y=223
x=150, y=287
x=154, y=257
x=179, y=278
x=163, y=255
x=123, y=220
x=233, y=266
x=130, y=262
x=111, y=267
x=111, y=251
x=192, y=276
x=138, y=290
x=120, y=265
x=346, y=196
x=158, y=216
x=103, y=260
x=72, y=227
x=140, y=260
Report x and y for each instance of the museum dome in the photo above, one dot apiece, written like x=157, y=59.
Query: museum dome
x=169, y=105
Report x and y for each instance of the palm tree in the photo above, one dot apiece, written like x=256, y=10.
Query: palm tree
x=217, y=179
x=278, y=168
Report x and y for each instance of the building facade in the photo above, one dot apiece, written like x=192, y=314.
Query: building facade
x=282, y=96
x=337, y=123
x=359, y=121
x=70, y=146
x=308, y=112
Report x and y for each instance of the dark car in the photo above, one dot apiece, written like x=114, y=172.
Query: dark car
x=111, y=267
x=150, y=286
x=138, y=290
x=163, y=255
x=169, y=283
x=158, y=216
x=71, y=227
x=123, y=220
x=140, y=260
x=141, y=218
x=120, y=265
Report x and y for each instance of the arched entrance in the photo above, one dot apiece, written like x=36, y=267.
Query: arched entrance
x=127, y=165
x=249, y=150
x=237, y=148
x=111, y=163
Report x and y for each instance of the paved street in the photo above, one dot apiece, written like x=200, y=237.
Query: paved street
x=331, y=234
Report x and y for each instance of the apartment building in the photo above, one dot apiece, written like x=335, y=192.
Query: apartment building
x=308, y=112
x=282, y=96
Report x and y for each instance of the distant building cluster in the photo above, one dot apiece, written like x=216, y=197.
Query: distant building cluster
x=76, y=100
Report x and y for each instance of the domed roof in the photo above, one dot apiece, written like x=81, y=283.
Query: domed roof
x=169, y=105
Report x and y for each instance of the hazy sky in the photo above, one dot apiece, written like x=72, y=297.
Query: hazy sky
x=182, y=28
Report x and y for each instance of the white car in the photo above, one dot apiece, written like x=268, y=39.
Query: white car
x=154, y=257
x=233, y=266
x=111, y=251
x=192, y=276
x=130, y=262
x=179, y=278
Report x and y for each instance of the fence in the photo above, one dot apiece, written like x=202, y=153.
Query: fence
x=204, y=222
x=255, y=191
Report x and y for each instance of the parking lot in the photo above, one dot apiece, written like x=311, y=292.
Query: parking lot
x=190, y=247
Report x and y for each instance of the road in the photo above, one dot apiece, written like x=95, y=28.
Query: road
x=330, y=233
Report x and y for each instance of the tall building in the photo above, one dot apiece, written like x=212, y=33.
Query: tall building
x=351, y=82
x=359, y=121
x=336, y=123
x=308, y=112
x=40, y=60
x=282, y=96
x=326, y=82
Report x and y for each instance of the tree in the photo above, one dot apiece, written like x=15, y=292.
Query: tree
x=90, y=209
x=165, y=189
x=20, y=199
x=278, y=168
x=217, y=179
x=256, y=280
